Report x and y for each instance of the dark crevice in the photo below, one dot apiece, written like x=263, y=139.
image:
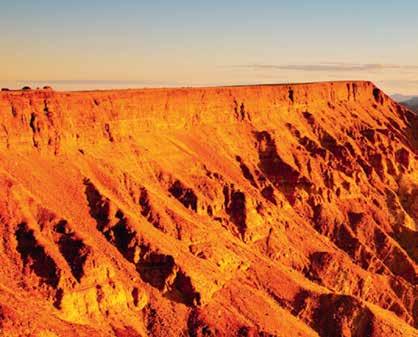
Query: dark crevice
x=75, y=253
x=72, y=249
x=183, y=194
x=291, y=95
x=268, y=193
x=246, y=172
x=34, y=128
x=148, y=211
x=35, y=257
x=99, y=206
x=155, y=268
x=235, y=207
x=378, y=96
x=282, y=175
x=182, y=290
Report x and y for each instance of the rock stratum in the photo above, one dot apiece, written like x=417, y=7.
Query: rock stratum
x=274, y=210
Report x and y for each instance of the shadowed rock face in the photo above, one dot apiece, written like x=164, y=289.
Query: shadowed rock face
x=277, y=210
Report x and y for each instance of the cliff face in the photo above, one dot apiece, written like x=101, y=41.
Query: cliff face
x=277, y=210
x=70, y=120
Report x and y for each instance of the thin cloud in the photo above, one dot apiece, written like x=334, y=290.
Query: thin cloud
x=408, y=82
x=333, y=67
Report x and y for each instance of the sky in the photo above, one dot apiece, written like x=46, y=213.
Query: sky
x=137, y=43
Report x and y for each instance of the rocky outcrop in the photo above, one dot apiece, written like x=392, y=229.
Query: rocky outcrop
x=277, y=210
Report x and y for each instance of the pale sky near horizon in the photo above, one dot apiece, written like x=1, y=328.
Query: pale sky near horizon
x=152, y=43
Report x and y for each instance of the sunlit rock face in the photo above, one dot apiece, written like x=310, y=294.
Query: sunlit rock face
x=276, y=210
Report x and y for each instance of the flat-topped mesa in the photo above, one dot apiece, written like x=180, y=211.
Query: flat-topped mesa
x=66, y=120
x=280, y=210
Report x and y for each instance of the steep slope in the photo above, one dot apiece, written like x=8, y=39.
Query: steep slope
x=277, y=210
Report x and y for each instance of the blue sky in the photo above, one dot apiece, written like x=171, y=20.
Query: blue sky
x=211, y=42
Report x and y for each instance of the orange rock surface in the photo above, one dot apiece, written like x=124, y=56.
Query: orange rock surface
x=274, y=210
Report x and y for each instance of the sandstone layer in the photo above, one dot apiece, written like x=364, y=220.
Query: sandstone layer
x=275, y=210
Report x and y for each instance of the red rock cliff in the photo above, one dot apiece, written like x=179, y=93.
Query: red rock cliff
x=274, y=210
